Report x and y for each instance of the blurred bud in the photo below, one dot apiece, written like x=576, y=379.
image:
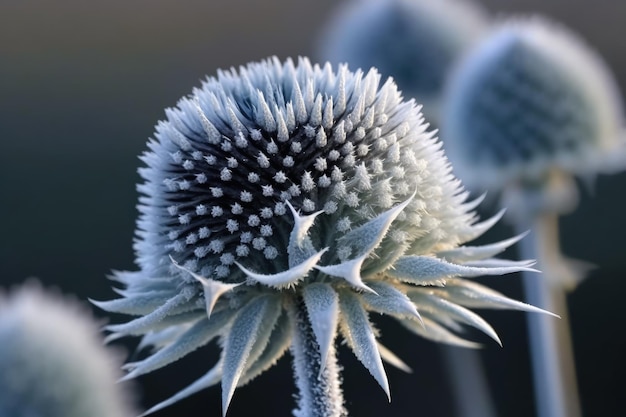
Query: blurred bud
x=414, y=41
x=52, y=361
x=530, y=106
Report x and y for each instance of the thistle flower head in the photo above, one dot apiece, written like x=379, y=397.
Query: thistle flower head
x=414, y=41
x=530, y=100
x=52, y=362
x=277, y=184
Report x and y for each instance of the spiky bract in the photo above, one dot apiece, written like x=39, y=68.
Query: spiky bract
x=52, y=362
x=532, y=98
x=280, y=185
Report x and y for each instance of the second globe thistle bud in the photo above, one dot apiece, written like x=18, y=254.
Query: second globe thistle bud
x=529, y=106
x=414, y=41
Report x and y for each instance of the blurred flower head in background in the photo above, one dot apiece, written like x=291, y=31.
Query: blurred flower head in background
x=52, y=362
x=279, y=184
x=531, y=106
x=414, y=41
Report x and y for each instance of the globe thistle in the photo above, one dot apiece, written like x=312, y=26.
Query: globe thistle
x=528, y=108
x=281, y=204
x=52, y=362
x=414, y=41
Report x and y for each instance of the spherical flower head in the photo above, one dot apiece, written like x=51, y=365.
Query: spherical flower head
x=52, y=362
x=414, y=41
x=531, y=100
x=277, y=185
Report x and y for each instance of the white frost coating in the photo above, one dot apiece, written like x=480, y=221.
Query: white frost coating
x=367, y=237
x=349, y=271
x=474, y=253
x=471, y=294
x=286, y=278
x=429, y=329
x=389, y=300
x=238, y=345
x=563, y=93
x=453, y=311
x=213, y=290
x=302, y=224
x=361, y=337
x=423, y=269
x=277, y=345
x=292, y=140
x=393, y=360
x=322, y=304
x=196, y=336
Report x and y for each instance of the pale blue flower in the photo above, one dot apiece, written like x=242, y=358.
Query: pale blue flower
x=281, y=204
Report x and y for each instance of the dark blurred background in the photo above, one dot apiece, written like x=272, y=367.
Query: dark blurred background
x=82, y=85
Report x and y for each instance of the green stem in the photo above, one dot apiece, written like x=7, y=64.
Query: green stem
x=554, y=373
x=320, y=393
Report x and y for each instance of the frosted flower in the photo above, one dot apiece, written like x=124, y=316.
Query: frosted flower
x=281, y=204
x=533, y=104
x=414, y=41
x=52, y=362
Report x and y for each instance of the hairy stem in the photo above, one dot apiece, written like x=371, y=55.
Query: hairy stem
x=554, y=372
x=320, y=393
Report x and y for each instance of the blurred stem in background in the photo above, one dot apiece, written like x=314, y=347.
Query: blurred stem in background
x=536, y=208
x=554, y=371
x=470, y=388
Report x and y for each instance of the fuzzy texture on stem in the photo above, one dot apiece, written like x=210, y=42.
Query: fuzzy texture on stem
x=319, y=383
x=278, y=182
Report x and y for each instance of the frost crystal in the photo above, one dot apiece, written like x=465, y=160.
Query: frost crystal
x=332, y=182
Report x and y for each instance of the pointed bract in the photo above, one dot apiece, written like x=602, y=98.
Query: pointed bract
x=421, y=270
x=213, y=289
x=389, y=300
x=239, y=343
x=276, y=347
x=367, y=237
x=391, y=358
x=444, y=308
x=199, y=334
x=437, y=333
x=286, y=278
x=358, y=330
x=322, y=304
x=349, y=271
